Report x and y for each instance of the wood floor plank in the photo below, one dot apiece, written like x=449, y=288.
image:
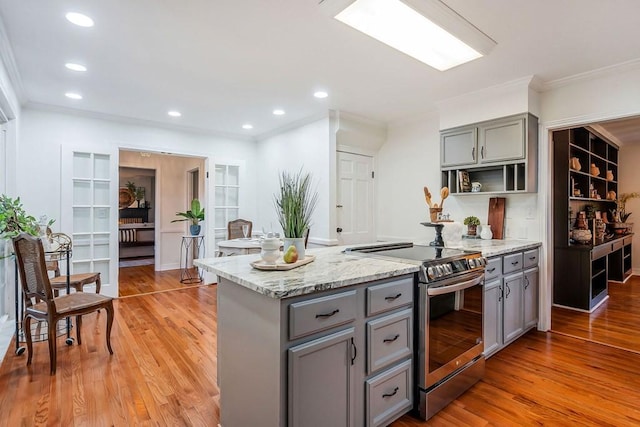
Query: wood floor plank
x=163, y=372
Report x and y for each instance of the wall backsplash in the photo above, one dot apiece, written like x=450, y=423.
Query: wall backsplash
x=522, y=220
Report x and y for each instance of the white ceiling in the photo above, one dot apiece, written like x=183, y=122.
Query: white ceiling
x=226, y=62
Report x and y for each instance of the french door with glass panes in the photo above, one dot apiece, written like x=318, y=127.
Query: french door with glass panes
x=227, y=200
x=89, y=212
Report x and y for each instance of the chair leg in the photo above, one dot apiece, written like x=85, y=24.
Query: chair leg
x=78, y=328
x=109, y=309
x=51, y=337
x=26, y=328
x=98, y=284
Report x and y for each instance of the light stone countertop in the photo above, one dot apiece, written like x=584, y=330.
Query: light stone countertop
x=490, y=248
x=334, y=269
x=330, y=270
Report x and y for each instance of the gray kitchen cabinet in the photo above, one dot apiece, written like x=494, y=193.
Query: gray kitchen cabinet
x=459, y=146
x=502, y=140
x=513, y=314
x=501, y=154
x=321, y=376
x=510, y=298
x=531, y=280
x=493, y=316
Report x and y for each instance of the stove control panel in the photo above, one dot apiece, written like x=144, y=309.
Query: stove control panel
x=441, y=270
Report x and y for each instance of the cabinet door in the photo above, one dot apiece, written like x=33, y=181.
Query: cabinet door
x=458, y=147
x=512, y=307
x=531, y=298
x=502, y=140
x=492, y=317
x=321, y=381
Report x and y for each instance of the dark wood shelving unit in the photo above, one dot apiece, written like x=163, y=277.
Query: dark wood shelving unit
x=582, y=271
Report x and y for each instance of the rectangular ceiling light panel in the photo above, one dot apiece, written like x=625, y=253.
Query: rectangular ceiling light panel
x=402, y=27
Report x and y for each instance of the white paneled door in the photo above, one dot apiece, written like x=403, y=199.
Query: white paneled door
x=355, y=206
x=89, y=212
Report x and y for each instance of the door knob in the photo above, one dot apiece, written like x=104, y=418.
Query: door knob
x=339, y=229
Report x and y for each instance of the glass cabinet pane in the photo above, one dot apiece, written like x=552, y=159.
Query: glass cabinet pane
x=220, y=196
x=82, y=165
x=220, y=175
x=233, y=175
x=101, y=166
x=101, y=193
x=232, y=197
x=101, y=219
x=81, y=220
x=81, y=193
x=220, y=220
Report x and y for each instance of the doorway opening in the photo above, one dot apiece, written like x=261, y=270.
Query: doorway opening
x=152, y=262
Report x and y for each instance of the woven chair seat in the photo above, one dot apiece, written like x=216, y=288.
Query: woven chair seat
x=71, y=303
x=76, y=281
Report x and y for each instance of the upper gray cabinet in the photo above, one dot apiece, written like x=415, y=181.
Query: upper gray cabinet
x=459, y=146
x=501, y=154
x=502, y=140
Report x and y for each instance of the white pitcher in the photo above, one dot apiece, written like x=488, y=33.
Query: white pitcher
x=485, y=232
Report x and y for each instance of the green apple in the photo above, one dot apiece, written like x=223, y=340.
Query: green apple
x=291, y=255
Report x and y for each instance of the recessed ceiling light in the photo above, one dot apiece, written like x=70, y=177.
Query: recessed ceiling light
x=247, y=126
x=73, y=95
x=174, y=113
x=321, y=94
x=427, y=30
x=75, y=67
x=79, y=19
x=278, y=112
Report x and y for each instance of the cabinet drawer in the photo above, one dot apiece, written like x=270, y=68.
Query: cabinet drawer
x=493, y=269
x=600, y=251
x=318, y=314
x=531, y=258
x=512, y=262
x=617, y=245
x=389, y=339
x=387, y=296
x=388, y=395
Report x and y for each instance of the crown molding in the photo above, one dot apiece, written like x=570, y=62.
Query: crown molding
x=633, y=65
x=292, y=125
x=133, y=121
x=521, y=83
x=9, y=61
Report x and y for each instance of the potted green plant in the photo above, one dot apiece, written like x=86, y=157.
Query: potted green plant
x=295, y=204
x=472, y=223
x=13, y=221
x=195, y=215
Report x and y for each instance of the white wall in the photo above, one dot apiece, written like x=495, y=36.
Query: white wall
x=309, y=147
x=43, y=133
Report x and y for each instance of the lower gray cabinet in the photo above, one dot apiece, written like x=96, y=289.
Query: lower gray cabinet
x=531, y=297
x=510, y=299
x=512, y=306
x=492, y=316
x=389, y=394
x=321, y=381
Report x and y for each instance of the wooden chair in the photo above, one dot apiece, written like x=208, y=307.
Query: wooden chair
x=42, y=305
x=234, y=228
x=63, y=242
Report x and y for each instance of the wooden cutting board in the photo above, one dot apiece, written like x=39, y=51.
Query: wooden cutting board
x=496, y=216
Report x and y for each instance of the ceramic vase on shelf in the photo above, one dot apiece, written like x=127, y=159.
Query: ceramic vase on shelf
x=575, y=164
x=485, y=232
x=471, y=230
x=595, y=171
x=609, y=175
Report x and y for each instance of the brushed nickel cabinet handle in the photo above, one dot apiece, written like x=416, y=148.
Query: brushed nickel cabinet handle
x=395, y=391
x=393, y=298
x=391, y=339
x=327, y=314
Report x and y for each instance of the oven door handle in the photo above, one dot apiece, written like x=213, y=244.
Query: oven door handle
x=455, y=287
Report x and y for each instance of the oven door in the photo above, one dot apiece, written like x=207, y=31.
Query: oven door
x=450, y=326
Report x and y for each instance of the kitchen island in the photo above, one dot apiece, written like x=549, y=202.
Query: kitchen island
x=297, y=346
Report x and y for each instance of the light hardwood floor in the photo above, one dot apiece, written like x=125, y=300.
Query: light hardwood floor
x=163, y=372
